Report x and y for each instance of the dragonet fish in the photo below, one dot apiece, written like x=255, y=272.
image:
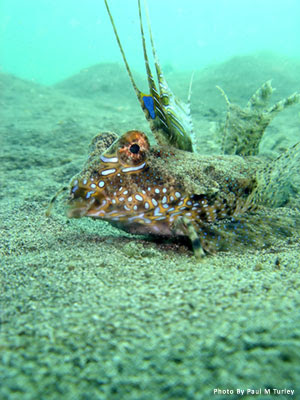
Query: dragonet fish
x=167, y=192
x=166, y=189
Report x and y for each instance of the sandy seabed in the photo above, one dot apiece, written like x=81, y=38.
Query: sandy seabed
x=90, y=312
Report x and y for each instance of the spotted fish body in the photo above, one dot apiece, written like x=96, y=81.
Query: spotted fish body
x=146, y=191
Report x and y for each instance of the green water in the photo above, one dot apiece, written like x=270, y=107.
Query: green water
x=46, y=40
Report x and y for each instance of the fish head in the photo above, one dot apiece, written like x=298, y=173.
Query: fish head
x=137, y=189
x=111, y=185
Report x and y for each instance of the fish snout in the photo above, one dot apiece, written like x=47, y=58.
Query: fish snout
x=81, y=198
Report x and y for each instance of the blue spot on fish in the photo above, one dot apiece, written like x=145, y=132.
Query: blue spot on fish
x=74, y=189
x=149, y=104
x=88, y=195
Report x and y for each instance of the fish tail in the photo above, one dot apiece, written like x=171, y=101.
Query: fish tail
x=279, y=183
x=263, y=229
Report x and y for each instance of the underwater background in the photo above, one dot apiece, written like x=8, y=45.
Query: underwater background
x=88, y=311
x=47, y=41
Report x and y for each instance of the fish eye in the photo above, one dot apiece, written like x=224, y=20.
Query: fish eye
x=134, y=148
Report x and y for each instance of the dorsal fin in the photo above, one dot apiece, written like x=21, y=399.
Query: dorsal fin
x=169, y=118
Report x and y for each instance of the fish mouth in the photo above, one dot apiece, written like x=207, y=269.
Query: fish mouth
x=82, y=200
x=79, y=207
